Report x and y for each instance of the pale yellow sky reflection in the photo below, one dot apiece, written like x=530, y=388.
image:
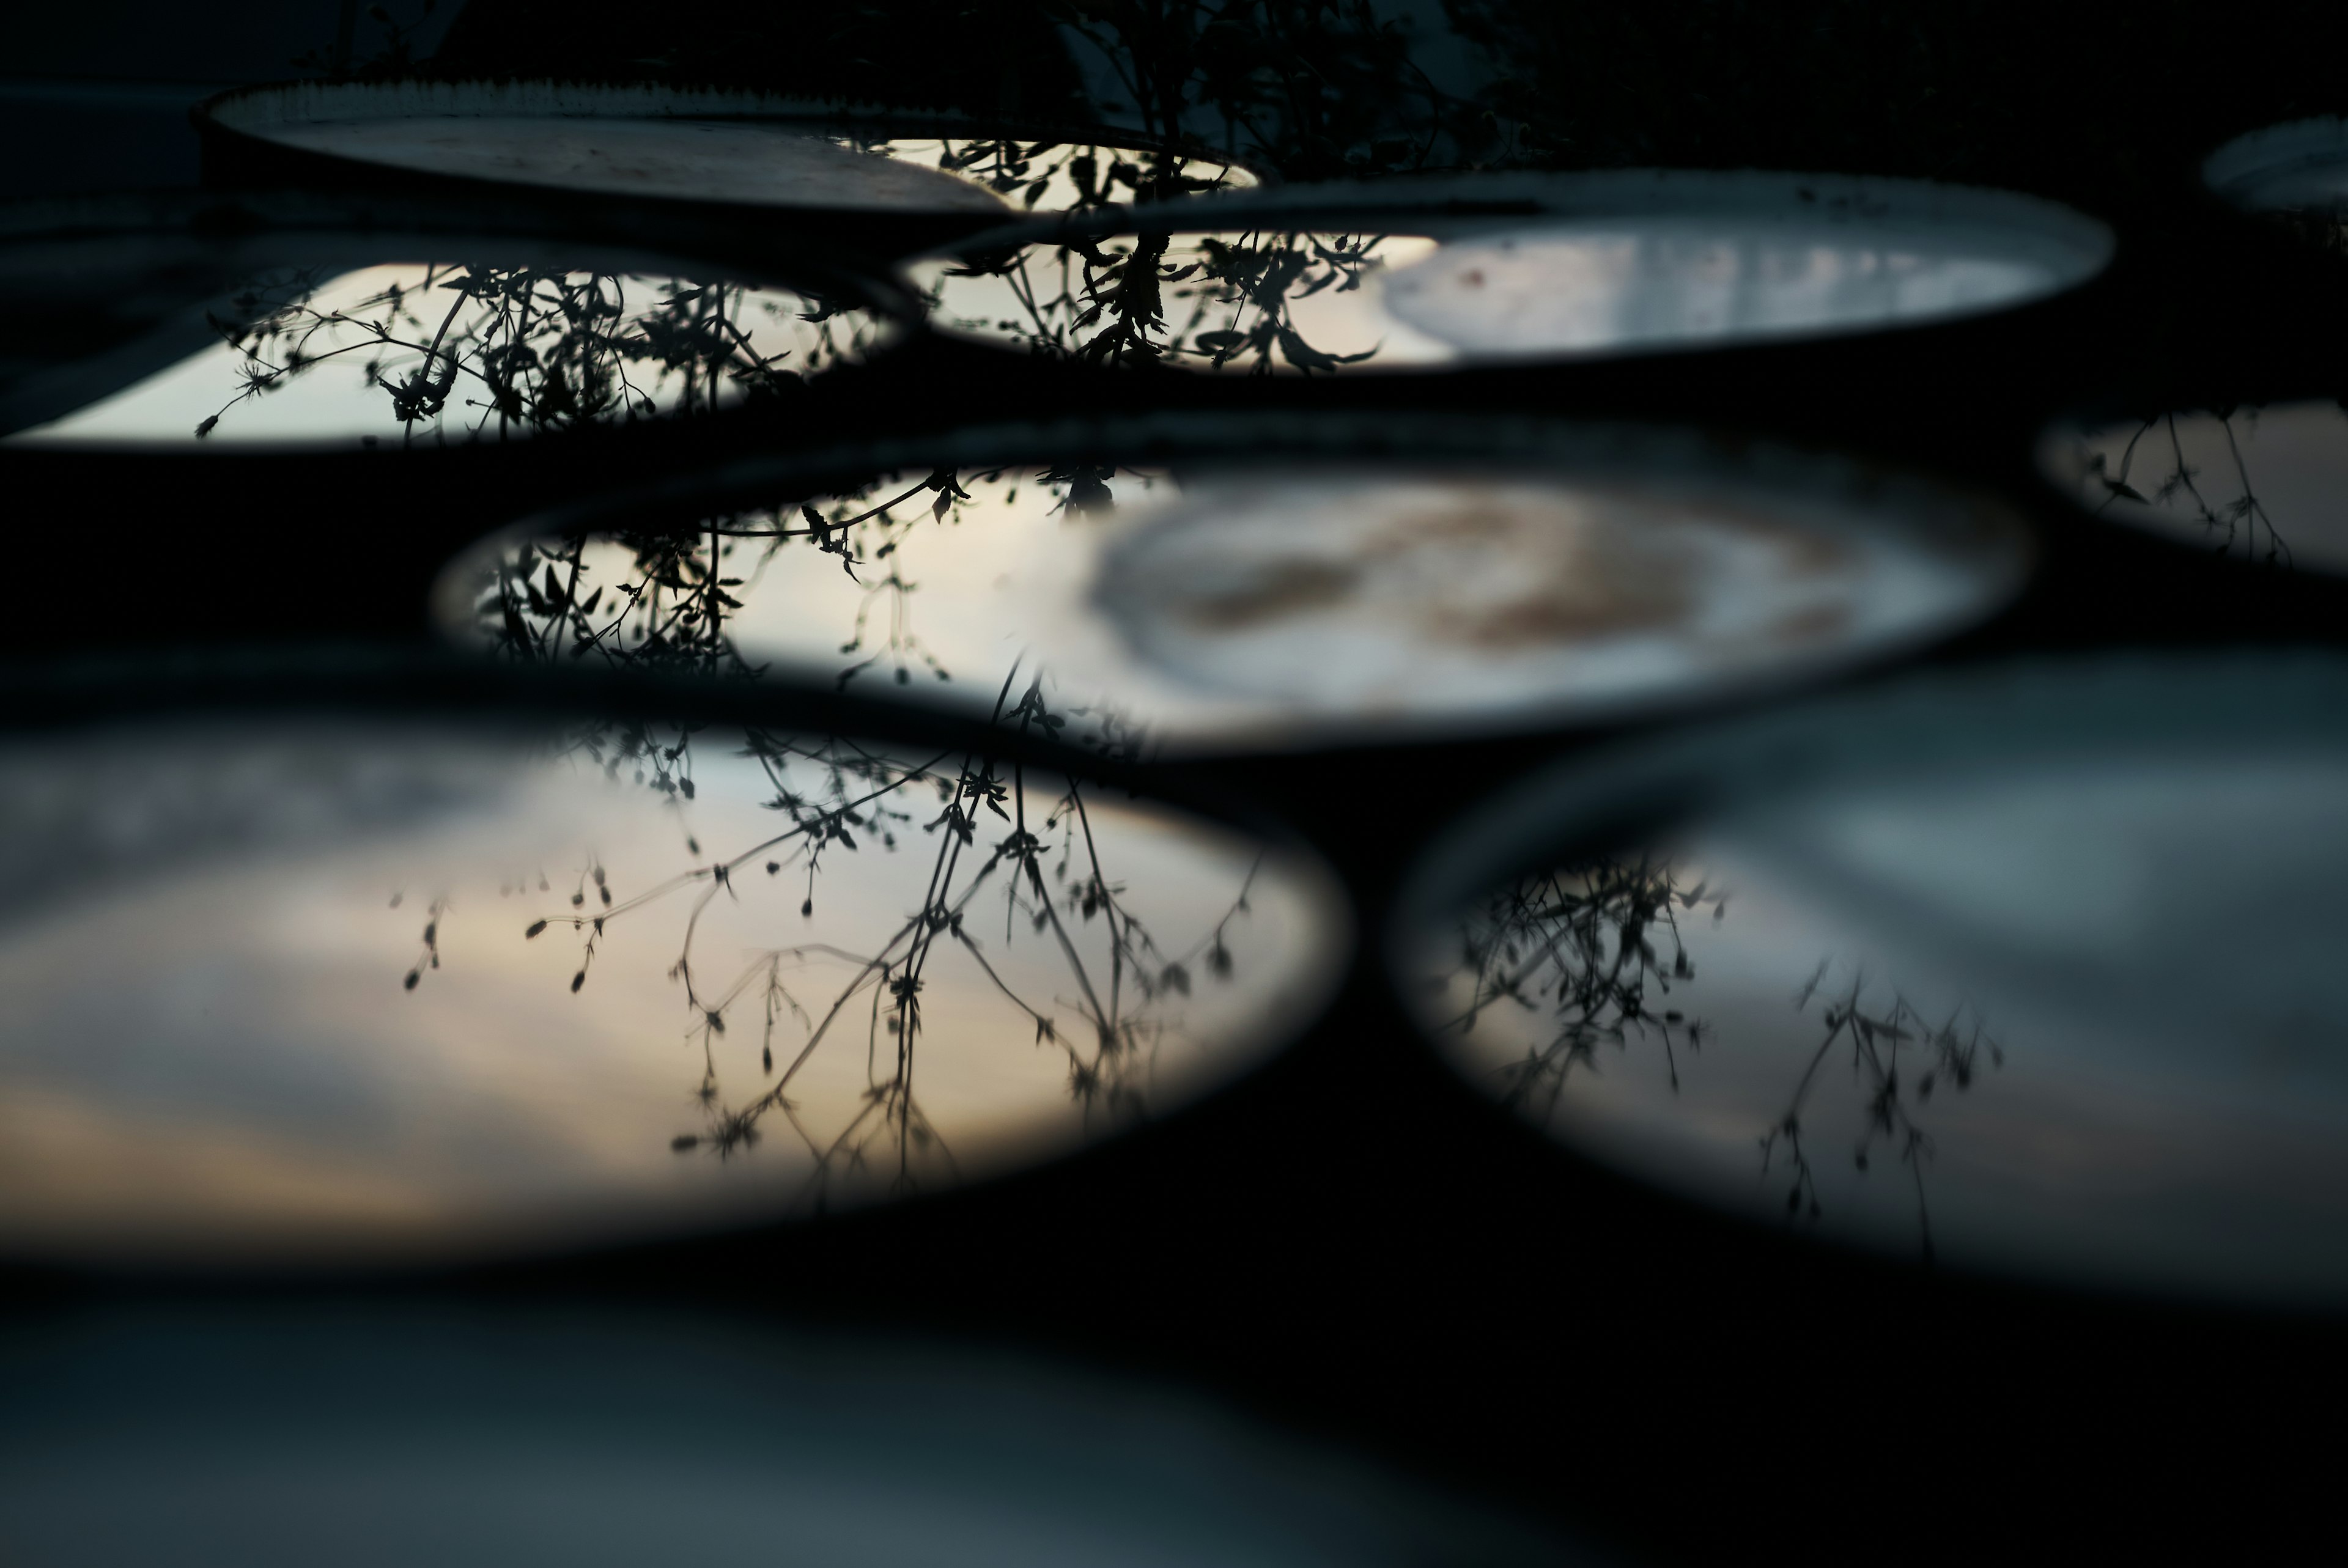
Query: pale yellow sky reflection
x=334, y=398
x=223, y=1060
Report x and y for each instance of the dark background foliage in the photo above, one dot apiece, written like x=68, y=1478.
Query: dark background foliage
x=2098, y=105
x=911, y=53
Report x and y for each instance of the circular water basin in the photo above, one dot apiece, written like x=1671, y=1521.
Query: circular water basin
x=1418, y=274
x=1258, y=591
x=291, y=991
x=174, y=324
x=2032, y=971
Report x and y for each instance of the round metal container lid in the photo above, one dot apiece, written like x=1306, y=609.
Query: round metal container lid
x=1463, y=270
x=292, y=991
x=2033, y=969
x=1268, y=585
x=383, y=1436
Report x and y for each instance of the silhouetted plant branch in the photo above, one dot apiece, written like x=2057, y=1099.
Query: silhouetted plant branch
x=672, y=607
x=1543, y=943
x=1047, y=866
x=1023, y=172
x=1877, y=1040
x=1582, y=945
x=1230, y=298
x=2241, y=520
x=672, y=604
x=536, y=350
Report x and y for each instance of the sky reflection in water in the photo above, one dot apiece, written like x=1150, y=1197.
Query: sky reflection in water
x=1260, y=300
x=2080, y=1021
x=1252, y=607
x=438, y=352
x=209, y=1053
x=2260, y=484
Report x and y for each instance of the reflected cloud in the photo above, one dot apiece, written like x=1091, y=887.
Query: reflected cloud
x=1243, y=603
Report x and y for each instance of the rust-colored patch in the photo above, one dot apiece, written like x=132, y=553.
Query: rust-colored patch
x=1572, y=581
x=1462, y=522
x=1605, y=590
x=1281, y=588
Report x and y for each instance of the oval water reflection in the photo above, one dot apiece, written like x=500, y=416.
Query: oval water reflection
x=1250, y=605
x=1324, y=280
x=352, y=991
x=2257, y=484
x=2065, y=1006
x=402, y=352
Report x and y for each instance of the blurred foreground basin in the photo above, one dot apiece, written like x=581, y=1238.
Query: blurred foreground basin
x=387, y=1436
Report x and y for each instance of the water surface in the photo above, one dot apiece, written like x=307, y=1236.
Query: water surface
x=1416, y=291
x=2080, y=1020
x=2264, y=483
x=405, y=353
x=1260, y=604
x=369, y=991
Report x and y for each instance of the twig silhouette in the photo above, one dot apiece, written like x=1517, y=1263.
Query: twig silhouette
x=2242, y=519
x=992, y=836
x=1231, y=297
x=524, y=349
x=1046, y=863
x=1580, y=944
